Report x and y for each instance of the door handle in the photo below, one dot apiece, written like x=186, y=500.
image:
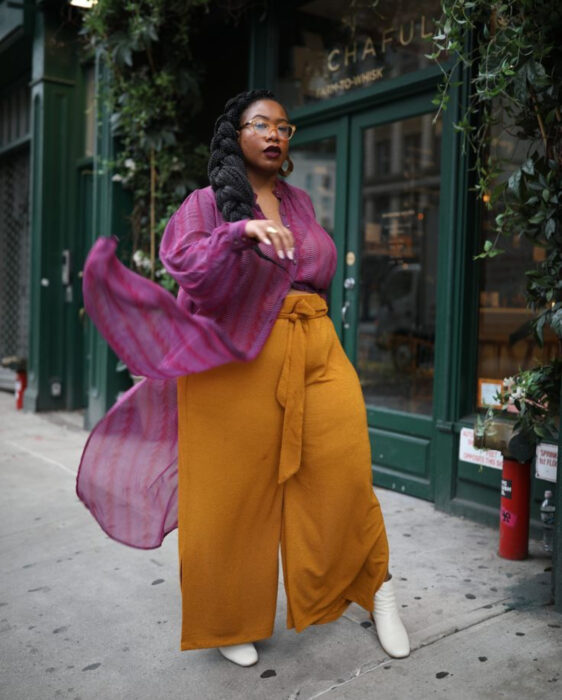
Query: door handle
x=344, y=310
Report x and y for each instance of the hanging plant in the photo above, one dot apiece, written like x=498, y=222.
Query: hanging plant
x=153, y=94
x=512, y=52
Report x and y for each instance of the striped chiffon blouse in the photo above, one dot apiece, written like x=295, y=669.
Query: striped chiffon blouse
x=228, y=301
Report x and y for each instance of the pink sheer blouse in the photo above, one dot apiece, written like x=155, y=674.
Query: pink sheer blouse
x=228, y=301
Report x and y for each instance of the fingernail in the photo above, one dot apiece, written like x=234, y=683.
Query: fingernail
x=290, y=254
x=281, y=254
x=267, y=241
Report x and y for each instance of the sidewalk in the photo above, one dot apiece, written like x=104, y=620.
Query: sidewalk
x=82, y=617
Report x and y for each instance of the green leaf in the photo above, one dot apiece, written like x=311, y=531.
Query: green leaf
x=514, y=183
x=539, y=326
x=556, y=322
x=528, y=167
x=549, y=228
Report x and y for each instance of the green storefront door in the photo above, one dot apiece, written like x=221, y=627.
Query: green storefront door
x=374, y=177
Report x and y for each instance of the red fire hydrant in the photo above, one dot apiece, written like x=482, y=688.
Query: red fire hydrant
x=514, y=509
x=19, y=366
x=21, y=385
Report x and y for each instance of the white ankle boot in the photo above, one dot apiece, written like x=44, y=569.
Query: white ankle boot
x=390, y=630
x=241, y=654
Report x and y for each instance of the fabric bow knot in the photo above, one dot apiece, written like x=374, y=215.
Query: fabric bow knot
x=291, y=386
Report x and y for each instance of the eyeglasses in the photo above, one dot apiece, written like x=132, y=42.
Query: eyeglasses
x=263, y=128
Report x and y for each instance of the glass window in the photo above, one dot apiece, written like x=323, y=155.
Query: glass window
x=400, y=219
x=315, y=172
x=382, y=157
x=329, y=48
x=504, y=347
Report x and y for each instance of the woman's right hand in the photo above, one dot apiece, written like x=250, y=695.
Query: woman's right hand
x=271, y=232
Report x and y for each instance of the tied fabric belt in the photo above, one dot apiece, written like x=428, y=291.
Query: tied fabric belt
x=298, y=310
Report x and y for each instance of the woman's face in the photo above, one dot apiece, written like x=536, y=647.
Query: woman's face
x=263, y=153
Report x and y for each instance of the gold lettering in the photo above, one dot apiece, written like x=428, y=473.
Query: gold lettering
x=401, y=37
x=387, y=39
x=351, y=54
x=331, y=56
x=423, y=33
x=348, y=83
x=368, y=49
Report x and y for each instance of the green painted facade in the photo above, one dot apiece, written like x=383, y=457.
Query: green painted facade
x=69, y=366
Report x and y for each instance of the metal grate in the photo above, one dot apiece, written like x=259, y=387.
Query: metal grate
x=14, y=257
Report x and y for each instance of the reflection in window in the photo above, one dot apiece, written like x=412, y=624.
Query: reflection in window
x=329, y=48
x=315, y=172
x=504, y=347
x=400, y=200
x=412, y=152
x=382, y=157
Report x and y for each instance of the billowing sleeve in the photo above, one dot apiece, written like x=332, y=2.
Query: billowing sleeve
x=202, y=254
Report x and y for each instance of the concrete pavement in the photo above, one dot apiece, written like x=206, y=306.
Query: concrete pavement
x=83, y=617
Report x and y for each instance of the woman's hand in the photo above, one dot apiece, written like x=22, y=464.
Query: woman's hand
x=272, y=233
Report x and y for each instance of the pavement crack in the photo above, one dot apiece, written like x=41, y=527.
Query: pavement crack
x=357, y=673
x=457, y=630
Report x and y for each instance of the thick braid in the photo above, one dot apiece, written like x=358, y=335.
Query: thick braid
x=227, y=170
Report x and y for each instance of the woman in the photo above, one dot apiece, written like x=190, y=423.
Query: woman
x=272, y=437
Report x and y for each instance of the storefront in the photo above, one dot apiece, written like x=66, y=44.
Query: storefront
x=429, y=330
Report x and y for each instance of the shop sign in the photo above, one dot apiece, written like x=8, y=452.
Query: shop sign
x=546, y=460
x=469, y=453
x=355, y=60
x=328, y=49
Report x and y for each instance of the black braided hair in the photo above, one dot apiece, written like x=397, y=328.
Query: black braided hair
x=227, y=170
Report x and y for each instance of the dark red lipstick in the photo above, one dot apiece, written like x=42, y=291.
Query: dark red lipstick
x=272, y=151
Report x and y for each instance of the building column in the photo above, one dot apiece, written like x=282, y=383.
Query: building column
x=55, y=129
x=111, y=208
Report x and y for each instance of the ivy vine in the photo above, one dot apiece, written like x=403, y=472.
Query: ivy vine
x=153, y=95
x=512, y=52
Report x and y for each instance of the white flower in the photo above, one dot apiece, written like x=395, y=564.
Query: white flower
x=141, y=260
x=117, y=178
x=519, y=393
x=509, y=382
x=130, y=164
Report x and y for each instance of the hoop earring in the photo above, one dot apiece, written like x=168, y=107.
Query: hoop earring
x=289, y=169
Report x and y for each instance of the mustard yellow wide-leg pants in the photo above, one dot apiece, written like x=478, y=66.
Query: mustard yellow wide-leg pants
x=276, y=452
